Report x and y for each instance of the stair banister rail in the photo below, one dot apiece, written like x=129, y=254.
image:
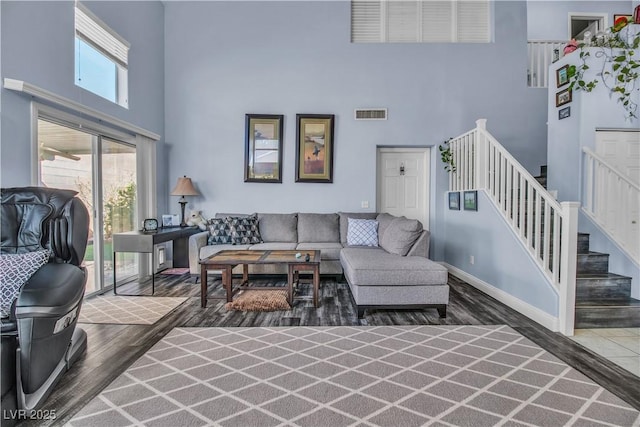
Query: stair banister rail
x=612, y=201
x=546, y=228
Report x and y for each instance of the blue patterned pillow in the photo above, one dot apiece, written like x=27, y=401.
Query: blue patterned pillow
x=15, y=271
x=219, y=232
x=362, y=232
x=244, y=231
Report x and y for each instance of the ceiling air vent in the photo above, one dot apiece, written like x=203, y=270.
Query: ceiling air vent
x=371, y=114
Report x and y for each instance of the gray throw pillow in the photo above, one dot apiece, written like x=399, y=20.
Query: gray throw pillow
x=384, y=219
x=219, y=232
x=400, y=235
x=244, y=231
x=15, y=270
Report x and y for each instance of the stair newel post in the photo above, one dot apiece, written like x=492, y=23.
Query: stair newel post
x=568, y=263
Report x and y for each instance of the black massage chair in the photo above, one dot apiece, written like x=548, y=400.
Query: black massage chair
x=40, y=340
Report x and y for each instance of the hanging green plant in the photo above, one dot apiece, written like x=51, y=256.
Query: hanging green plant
x=446, y=155
x=616, y=48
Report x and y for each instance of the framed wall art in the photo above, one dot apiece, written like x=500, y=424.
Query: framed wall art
x=454, y=200
x=563, y=97
x=563, y=113
x=562, y=76
x=470, y=200
x=263, y=148
x=315, y=145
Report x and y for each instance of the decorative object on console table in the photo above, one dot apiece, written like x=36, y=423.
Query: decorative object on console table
x=454, y=200
x=184, y=187
x=263, y=148
x=471, y=200
x=314, y=148
x=169, y=220
x=563, y=97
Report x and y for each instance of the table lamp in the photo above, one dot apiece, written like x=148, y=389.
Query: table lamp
x=184, y=187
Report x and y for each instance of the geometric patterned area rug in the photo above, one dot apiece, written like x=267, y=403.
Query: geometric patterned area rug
x=127, y=310
x=342, y=376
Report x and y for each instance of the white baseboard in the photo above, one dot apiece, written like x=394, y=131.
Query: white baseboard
x=545, y=319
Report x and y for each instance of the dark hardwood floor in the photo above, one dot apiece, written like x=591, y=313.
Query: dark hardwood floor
x=113, y=348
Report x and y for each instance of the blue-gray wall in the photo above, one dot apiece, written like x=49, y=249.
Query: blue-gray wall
x=500, y=259
x=37, y=43
x=548, y=19
x=226, y=59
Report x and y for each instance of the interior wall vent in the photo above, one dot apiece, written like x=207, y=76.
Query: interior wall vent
x=371, y=114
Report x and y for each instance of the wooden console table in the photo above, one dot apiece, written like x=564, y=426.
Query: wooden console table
x=138, y=241
x=226, y=260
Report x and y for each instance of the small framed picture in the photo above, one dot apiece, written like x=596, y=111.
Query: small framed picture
x=471, y=200
x=629, y=18
x=170, y=221
x=454, y=200
x=562, y=76
x=563, y=97
x=563, y=113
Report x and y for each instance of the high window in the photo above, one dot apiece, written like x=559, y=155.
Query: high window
x=420, y=21
x=101, y=58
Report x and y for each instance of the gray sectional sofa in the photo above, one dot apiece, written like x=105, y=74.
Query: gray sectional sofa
x=395, y=274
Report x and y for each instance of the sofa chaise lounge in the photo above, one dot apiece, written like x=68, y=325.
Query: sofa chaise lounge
x=396, y=273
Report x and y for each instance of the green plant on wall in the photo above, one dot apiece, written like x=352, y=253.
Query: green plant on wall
x=446, y=155
x=616, y=52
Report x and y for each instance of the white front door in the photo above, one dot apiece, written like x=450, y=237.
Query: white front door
x=403, y=183
x=621, y=149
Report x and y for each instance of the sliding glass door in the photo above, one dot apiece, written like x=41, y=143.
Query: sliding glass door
x=103, y=172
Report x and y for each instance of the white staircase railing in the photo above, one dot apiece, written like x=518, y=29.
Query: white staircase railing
x=612, y=201
x=546, y=228
x=540, y=57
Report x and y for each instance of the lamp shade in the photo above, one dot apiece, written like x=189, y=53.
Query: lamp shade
x=184, y=187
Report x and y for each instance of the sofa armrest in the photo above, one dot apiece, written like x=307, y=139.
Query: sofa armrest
x=421, y=246
x=196, y=241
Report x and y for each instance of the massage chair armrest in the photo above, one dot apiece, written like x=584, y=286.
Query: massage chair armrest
x=53, y=290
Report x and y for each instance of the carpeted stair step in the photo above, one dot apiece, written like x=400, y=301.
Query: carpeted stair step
x=592, y=262
x=606, y=286
x=621, y=313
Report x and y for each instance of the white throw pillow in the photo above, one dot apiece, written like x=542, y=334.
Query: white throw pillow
x=362, y=232
x=15, y=270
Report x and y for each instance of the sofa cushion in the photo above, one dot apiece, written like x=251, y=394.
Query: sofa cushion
x=327, y=250
x=320, y=228
x=219, y=232
x=384, y=219
x=272, y=246
x=344, y=223
x=376, y=267
x=278, y=227
x=362, y=232
x=244, y=231
x=400, y=235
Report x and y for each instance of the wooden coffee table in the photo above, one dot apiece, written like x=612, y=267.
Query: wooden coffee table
x=226, y=260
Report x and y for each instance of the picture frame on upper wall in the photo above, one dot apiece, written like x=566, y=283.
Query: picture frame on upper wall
x=563, y=97
x=454, y=200
x=470, y=200
x=563, y=113
x=623, y=15
x=263, y=148
x=315, y=144
x=562, y=76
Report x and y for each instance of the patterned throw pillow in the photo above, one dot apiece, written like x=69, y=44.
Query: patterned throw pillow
x=362, y=232
x=15, y=270
x=244, y=231
x=219, y=232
